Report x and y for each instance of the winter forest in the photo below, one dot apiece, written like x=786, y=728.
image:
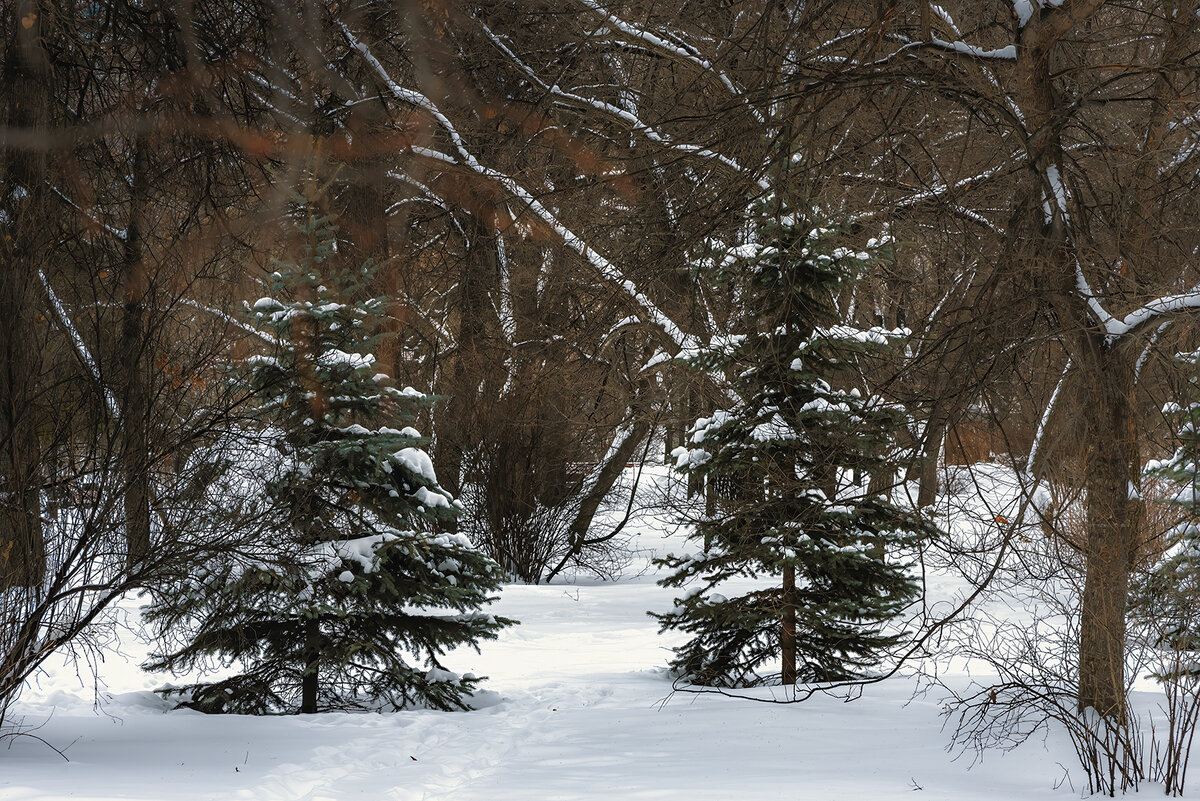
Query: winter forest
x=581, y=399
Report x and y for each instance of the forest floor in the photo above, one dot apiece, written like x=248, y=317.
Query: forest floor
x=578, y=706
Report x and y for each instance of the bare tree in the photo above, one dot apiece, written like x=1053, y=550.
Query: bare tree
x=1061, y=136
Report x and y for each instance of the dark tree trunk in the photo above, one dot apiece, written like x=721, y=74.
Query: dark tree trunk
x=310, y=682
x=695, y=480
x=131, y=353
x=1112, y=465
x=931, y=450
x=880, y=482
x=364, y=207
x=787, y=635
x=609, y=472
x=472, y=365
x=23, y=166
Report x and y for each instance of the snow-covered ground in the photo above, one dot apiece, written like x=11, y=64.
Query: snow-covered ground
x=580, y=708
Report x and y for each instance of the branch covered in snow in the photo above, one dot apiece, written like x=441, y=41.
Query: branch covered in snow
x=81, y=348
x=1148, y=312
x=622, y=116
x=676, y=49
x=465, y=158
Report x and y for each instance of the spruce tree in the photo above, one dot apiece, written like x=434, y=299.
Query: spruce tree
x=786, y=466
x=368, y=596
x=1165, y=600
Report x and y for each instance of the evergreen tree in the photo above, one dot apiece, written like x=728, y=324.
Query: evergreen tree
x=1165, y=600
x=781, y=466
x=372, y=596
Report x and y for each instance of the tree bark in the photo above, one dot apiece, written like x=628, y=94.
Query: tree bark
x=931, y=450
x=24, y=252
x=787, y=635
x=131, y=348
x=310, y=682
x=608, y=474
x=695, y=481
x=1111, y=531
x=473, y=370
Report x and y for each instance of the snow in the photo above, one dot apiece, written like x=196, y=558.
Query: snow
x=466, y=158
x=1007, y=53
x=110, y=400
x=1058, y=192
x=875, y=335
x=432, y=500
x=261, y=360
x=334, y=357
x=576, y=707
x=1024, y=11
x=360, y=550
x=1150, y=311
x=773, y=429
x=417, y=461
x=1085, y=290
x=624, y=115
x=677, y=50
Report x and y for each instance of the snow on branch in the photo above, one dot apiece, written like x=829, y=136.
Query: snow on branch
x=1168, y=304
x=1036, y=445
x=81, y=347
x=1023, y=9
x=410, y=96
x=602, y=265
x=1058, y=193
x=1085, y=291
x=1141, y=362
x=681, y=51
x=1006, y=53
x=938, y=189
x=975, y=217
x=119, y=233
x=946, y=18
x=230, y=320
x=467, y=159
x=623, y=115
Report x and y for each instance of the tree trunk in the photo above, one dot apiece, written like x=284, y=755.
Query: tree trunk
x=787, y=635
x=1111, y=529
x=310, y=682
x=23, y=253
x=931, y=451
x=695, y=480
x=608, y=474
x=672, y=436
x=131, y=348
x=880, y=481
x=364, y=219
x=474, y=372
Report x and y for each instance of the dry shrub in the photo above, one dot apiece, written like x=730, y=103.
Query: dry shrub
x=1065, y=519
x=969, y=442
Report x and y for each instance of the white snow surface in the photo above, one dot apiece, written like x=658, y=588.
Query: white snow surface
x=417, y=461
x=334, y=357
x=577, y=705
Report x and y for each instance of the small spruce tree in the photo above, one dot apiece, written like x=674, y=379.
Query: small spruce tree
x=785, y=468
x=1165, y=600
x=368, y=596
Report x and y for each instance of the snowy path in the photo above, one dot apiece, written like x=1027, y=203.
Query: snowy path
x=580, y=716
